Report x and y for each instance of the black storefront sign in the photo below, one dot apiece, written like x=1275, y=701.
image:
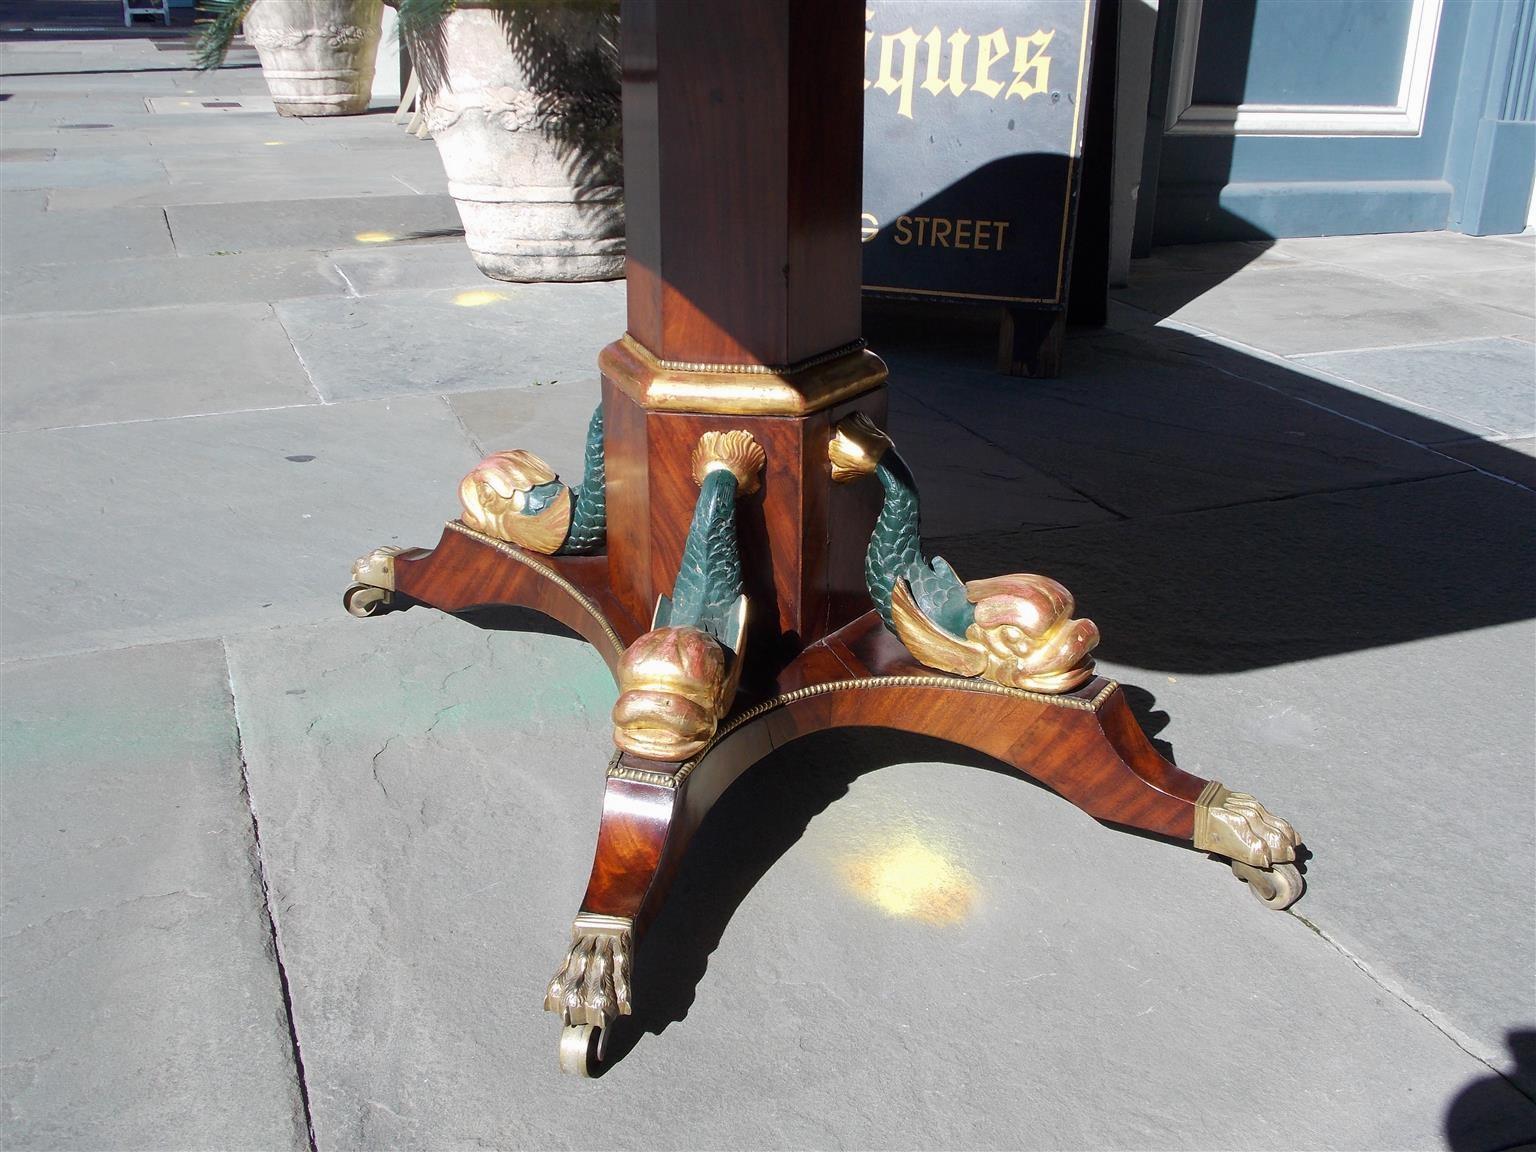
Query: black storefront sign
x=973, y=130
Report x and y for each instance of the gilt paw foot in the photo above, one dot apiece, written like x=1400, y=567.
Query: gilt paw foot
x=1260, y=845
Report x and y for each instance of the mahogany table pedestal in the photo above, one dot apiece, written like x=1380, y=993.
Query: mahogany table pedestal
x=744, y=549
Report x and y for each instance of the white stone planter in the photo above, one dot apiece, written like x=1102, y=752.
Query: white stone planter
x=525, y=217
x=317, y=56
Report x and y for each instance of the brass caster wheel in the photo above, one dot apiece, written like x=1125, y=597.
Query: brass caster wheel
x=363, y=601
x=1277, y=887
x=582, y=1048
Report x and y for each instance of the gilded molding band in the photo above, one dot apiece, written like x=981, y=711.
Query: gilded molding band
x=595, y=924
x=1235, y=825
x=549, y=574
x=619, y=771
x=741, y=389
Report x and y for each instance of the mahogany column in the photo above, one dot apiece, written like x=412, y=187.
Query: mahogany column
x=743, y=129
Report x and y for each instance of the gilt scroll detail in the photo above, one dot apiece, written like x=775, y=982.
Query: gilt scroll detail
x=678, y=680
x=516, y=497
x=1015, y=630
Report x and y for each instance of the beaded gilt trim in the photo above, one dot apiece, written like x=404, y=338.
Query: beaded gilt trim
x=756, y=369
x=673, y=780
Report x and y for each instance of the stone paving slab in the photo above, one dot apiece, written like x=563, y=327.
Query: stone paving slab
x=193, y=134
x=16, y=154
x=262, y=150
x=1355, y=660
x=102, y=368
x=83, y=142
x=1143, y=427
x=418, y=267
x=15, y=207
x=170, y=529
x=1510, y=289
x=202, y=229
x=310, y=176
x=232, y=188
x=88, y=237
x=81, y=172
x=933, y=955
x=971, y=484
x=1224, y=258
x=550, y=420
x=1482, y=385
x=142, y=1005
x=158, y=282
x=95, y=199
x=1291, y=309
x=1402, y=254
x=1302, y=377
x=494, y=335
x=183, y=105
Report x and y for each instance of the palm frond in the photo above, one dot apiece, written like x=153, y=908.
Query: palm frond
x=421, y=27
x=221, y=23
x=421, y=16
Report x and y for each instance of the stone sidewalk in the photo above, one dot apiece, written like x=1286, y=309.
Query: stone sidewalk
x=278, y=878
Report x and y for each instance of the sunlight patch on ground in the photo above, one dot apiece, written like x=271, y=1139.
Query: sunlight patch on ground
x=478, y=297
x=909, y=879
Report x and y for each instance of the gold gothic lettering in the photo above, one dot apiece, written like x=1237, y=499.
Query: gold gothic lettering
x=989, y=50
x=1031, y=70
x=956, y=81
x=947, y=60
x=888, y=81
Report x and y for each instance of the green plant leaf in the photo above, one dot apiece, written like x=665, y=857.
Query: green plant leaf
x=221, y=24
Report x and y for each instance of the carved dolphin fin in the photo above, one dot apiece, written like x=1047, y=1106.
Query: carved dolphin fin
x=928, y=642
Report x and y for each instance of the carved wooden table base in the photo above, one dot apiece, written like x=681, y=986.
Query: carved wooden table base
x=996, y=665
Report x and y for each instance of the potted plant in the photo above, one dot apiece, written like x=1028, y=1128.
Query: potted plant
x=522, y=100
x=317, y=56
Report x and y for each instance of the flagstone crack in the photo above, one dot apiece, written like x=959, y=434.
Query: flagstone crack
x=275, y=934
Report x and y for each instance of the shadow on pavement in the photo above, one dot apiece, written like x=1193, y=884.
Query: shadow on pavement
x=1490, y=1115
x=1232, y=514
